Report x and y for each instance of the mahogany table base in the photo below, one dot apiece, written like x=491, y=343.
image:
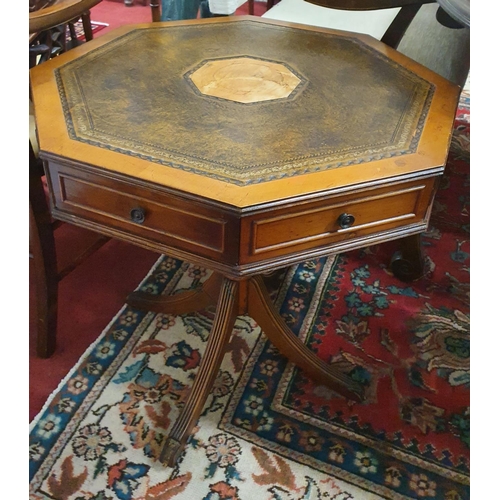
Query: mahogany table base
x=251, y=297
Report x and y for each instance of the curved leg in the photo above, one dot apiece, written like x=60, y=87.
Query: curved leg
x=407, y=264
x=225, y=317
x=261, y=309
x=181, y=303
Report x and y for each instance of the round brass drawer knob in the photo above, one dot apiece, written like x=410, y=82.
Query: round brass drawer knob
x=345, y=220
x=138, y=215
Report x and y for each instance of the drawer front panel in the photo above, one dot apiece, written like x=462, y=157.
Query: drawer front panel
x=168, y=219
x=312, y=225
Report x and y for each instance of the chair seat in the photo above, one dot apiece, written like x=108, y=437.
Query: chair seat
x=58, y=12
x=374, y=22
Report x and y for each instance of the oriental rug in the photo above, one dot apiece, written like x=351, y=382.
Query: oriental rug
x=80, y=34
x=267, y=432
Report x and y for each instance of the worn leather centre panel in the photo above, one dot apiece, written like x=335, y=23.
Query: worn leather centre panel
x=337, y=101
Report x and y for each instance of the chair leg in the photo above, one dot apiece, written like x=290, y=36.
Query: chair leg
x=155, y=10
x=87, y=26
x=251, y=7
x=45, y=264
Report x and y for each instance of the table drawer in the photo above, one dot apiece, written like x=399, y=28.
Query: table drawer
x=144, y=212
x=311, y=225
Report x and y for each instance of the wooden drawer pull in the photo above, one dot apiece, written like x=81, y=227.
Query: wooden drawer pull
x=138, y=215
x=345, y=220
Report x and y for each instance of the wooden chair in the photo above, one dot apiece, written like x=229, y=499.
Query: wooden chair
x=46, y=14
x=251, y=8
x=420, y=29
x=49, y=21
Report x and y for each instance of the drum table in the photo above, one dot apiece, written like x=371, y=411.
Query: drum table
x=243, y=145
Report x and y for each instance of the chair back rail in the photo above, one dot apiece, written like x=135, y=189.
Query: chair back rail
x=366, y=4
x=397, y=28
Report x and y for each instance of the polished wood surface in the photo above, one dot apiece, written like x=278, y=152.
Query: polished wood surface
x=233, y=241
x=43, y=252
x=224, y=101
x=187, y=302
x=50, y=23
x=49, y=269
x=430, y=151
x=218, y=339
x=261, y=308
x=215, y=181
x=155, y=10
x=300, y=227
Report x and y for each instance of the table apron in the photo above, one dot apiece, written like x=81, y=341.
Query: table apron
x=237, y=245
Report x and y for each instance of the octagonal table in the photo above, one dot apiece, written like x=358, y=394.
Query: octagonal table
x=243, y=145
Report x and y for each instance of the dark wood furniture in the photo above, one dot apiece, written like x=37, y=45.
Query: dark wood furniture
x=48, y=24
x=420, y=29
x=46, y=15
x=155, y=10
x=266, y=145
x=397, y=28
x=49, y=270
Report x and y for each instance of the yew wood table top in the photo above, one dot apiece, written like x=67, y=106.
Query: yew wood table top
x=244, y=145
x=245, y=116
